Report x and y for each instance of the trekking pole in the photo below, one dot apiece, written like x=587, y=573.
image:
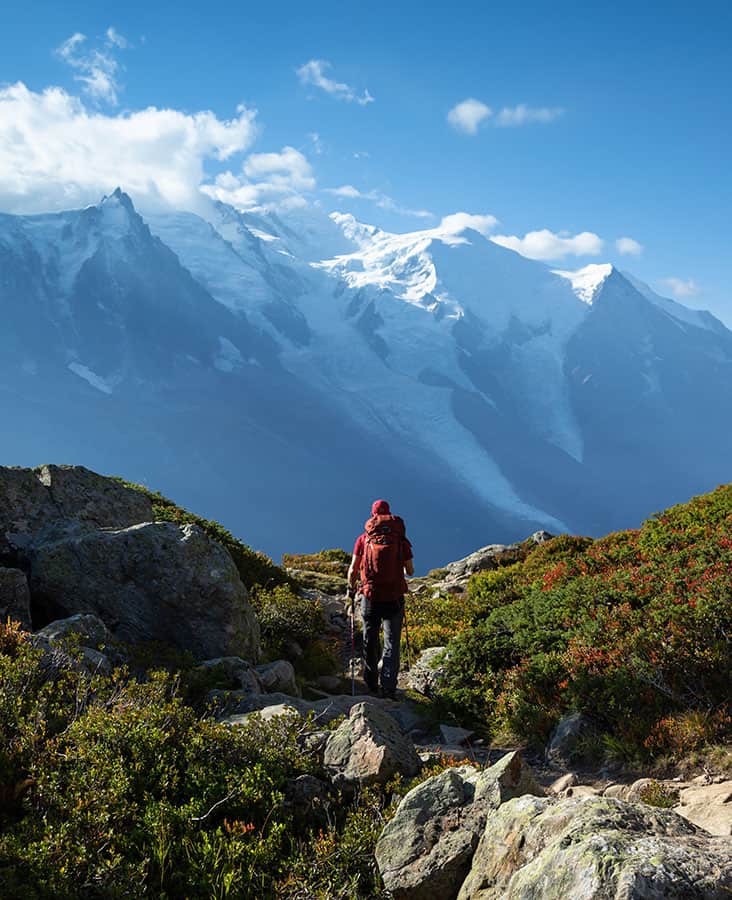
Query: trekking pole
x=352, y=595
x=406, y=638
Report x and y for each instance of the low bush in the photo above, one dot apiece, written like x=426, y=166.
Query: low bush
x=286, y=617
x=327, y=562
x=112, y=787
x=632, y=629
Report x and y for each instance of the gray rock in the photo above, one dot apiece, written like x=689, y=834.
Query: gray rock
x=427, y=672
x=279, y=676
x=616, y=791
x=563, y=783
x=240, y=720
x=90, y=633
x=151, y=582
x=95, y=662
x=541, y=537
x=329, y=683
x=568, y=743
x=478, y=561
x=369, y=748
x=637, y=787
x=236, y=671
x=91, y=630
x=314, y=743
x=31, y=499
x=306, y=793
x=708, y=805
x=595, y=848
x=425, y=851
x=15, y=597
x=456, y=736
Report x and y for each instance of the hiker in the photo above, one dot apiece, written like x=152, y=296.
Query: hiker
x=381, y=556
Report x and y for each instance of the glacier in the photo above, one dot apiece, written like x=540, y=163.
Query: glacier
x=277, y=371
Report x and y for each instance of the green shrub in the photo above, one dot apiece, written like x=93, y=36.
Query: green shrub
x=284, y=616
x=125, y=791
x=327, y=562
x=632, y=629
x=660, y=795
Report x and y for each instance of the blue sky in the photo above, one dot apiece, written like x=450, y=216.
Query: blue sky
x=605, y=123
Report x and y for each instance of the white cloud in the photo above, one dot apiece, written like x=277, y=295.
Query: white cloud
x=313, y=73
x=96, y=68
x=546, y=245
x=55, y=153
x=383, y=201
x=467, y=115
x=681, y=288
x=349, y=191
x=114, y=37
x=627, y=246
x=513, y=116
x=269, y=179
x=459, y=221
x=316, y=143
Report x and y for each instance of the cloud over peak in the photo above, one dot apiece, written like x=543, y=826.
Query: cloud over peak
x=681, y=288
x=268, y=179
x=546, y=246
x=627, y=246
x=55, y=153
x=312, y=73
x=460, y=221
x=383, y=201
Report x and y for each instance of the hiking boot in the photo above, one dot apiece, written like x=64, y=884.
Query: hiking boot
x=388, y=693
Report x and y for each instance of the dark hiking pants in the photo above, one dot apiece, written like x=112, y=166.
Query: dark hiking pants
x=373, y=614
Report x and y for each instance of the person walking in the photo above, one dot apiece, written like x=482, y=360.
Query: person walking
x=381, y=557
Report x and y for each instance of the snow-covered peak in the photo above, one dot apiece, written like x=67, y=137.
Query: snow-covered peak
x=355, y=231
x=586, y=282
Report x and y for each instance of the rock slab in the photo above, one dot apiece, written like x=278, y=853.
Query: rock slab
x=425, y=851
x=592, y=849
x=151, y=582
x=32, y=499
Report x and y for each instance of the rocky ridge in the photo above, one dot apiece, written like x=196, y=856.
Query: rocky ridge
x=82, y=556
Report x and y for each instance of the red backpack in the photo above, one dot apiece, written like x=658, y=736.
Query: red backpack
x=382, y=566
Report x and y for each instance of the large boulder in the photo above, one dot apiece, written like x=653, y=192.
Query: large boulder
x=595, y=848
x=478, y=561
x=151, y=582
x=14, y=597
x=425, y=851
x=369, y=748
x=31, y=499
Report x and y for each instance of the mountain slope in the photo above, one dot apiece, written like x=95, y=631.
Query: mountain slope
x=311, y=363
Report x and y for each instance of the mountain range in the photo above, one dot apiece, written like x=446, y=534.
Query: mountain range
x=278, y=371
